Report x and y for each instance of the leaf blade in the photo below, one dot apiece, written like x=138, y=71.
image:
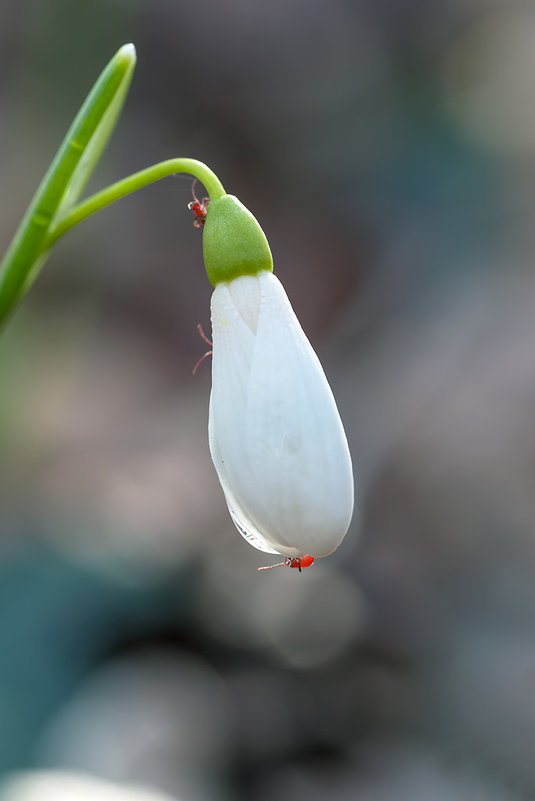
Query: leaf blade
x=66, y=177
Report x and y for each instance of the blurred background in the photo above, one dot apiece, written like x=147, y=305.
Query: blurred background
x=388, y=149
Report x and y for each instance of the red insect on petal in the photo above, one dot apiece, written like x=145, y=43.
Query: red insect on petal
x=297, y=561
x=301, y=561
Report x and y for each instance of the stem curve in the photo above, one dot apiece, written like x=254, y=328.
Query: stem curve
x=132, y=183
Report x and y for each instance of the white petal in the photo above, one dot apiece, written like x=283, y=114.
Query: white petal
x=235, y=309
x=276, y=435
x=242, y=523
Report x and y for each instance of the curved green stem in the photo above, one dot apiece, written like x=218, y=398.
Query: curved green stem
x=134, y=182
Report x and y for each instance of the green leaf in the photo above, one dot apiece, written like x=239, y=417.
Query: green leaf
x=66, y=177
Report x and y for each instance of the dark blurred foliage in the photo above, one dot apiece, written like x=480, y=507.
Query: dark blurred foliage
x=388, y=149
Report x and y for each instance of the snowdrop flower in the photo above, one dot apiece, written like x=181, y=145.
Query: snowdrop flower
x=276, y=438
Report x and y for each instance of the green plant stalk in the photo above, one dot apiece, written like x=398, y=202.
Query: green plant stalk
x=53, y=210
x=66, y=177
x=131, y=184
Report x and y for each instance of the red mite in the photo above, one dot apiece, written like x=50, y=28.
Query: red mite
x=297, y=561
x=198, y=207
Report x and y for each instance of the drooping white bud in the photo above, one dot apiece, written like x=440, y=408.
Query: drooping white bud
x=276, y=438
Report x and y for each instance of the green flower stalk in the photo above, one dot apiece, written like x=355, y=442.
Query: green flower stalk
x=53, y=210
